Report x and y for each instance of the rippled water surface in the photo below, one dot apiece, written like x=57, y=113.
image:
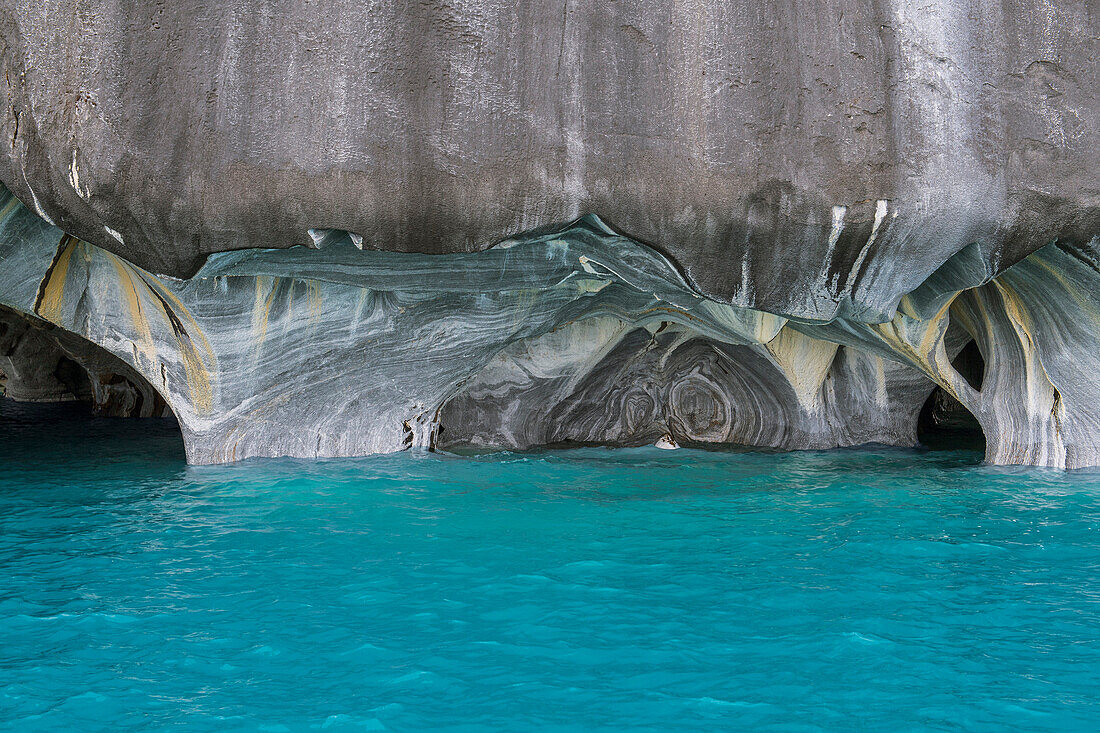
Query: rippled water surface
x=578, y=590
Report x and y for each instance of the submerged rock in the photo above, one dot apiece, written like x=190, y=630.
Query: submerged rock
x=667, y=442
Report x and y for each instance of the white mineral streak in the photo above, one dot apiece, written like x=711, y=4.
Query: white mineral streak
x=114, y=234
x=74, y=179
x=881, y=208
x=824, y=289
x=836, y=230
x=38, y=209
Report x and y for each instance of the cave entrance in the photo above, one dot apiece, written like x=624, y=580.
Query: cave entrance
x=944, y=424
x=52, y=377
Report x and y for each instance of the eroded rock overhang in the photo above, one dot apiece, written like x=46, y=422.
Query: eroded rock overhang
x=575, y=334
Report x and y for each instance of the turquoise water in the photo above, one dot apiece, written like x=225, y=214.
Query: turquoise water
x=572, y=590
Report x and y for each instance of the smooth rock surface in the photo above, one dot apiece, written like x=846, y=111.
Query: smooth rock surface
x=787, y=220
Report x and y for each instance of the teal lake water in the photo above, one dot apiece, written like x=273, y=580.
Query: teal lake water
x=587, y=589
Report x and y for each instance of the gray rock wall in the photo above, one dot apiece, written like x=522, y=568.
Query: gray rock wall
x=808, y=158
x=787, y=217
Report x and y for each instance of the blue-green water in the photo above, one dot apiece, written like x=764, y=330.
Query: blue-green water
x=575, y=590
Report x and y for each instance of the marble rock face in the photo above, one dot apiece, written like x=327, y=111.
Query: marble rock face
x=344, y=228
x=575, y=334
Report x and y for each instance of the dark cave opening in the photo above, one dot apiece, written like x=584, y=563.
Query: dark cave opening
x=944, y=424
x=40, y=363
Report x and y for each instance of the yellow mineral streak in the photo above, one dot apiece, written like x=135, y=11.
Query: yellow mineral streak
x=198, y=370
x=198, y=379
x=920, y=343
x=805, y=361
x=142, y=335
x=183, y=313
x=768, y=326
x=313, y=300
x=134, y=286
x=934, y=330
x=261, y=309
x=53, y=290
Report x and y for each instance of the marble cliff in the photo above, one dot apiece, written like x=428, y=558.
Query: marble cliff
x=317, y=233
